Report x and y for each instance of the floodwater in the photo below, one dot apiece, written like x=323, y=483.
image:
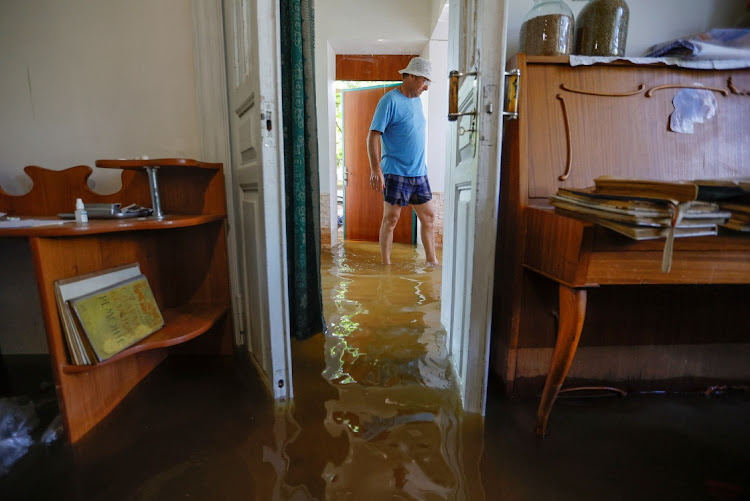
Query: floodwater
x=375, y=417
x=392, y=425
x=396, y=401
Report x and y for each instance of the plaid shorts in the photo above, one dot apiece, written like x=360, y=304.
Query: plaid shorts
x=406, y=190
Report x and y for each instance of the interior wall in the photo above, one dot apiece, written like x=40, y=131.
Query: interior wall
x=436, y=107
x=86, y=79
x=82, y=80
x=650, y=21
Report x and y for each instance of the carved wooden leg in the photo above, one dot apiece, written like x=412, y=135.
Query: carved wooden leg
x=572, y=313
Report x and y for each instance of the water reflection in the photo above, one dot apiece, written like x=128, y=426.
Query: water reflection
x=396, y=401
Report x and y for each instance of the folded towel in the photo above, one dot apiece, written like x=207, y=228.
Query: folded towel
x=730, y=43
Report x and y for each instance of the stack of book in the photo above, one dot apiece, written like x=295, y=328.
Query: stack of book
x=733, y=196
x=105, y=312
x=740, y=210
x=647, y=209
x=642, y=209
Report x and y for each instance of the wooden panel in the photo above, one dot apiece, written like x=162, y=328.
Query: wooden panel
x=364, y=206
x=182, y=189
x=564, y=260
x=575, y=260
x=183, y=257
x=702, y=267
x=375, y=67
x=628, y=135
x=54, y=191
x=630, y=315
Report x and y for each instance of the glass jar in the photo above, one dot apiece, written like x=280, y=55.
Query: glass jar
x=547, y=29
x=602, y=28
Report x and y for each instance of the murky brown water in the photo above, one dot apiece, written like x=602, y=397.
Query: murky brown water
x=392, y=426
x=375, y=418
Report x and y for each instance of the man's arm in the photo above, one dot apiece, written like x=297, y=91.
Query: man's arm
x=373, y=153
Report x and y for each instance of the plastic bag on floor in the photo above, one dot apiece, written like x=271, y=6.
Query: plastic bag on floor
x=17, y=420
x=53, y=432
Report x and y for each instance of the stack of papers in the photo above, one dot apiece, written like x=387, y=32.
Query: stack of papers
x=28, y=223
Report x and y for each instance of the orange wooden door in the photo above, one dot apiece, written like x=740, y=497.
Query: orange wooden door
x=363, y=207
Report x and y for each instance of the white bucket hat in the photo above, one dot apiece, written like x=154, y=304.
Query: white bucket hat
x=420, y=67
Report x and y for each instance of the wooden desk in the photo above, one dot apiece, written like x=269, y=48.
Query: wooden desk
x=578, y=123
x=183, y=254
x=587, y=256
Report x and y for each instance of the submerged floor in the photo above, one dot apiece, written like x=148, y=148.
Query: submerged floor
x=375, y=417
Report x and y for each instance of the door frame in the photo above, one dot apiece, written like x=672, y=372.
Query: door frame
x=343, y=157
x=215, y=136
x=492, y=17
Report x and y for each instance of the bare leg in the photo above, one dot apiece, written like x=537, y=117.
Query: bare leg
x=391, y=214
x=426, y=214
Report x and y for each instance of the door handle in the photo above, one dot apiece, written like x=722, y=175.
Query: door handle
x=453, y=113
x=511, y=94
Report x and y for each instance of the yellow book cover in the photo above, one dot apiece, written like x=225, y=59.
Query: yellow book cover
x=119, y=316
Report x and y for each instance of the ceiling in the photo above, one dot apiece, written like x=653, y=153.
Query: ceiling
x=382, y=46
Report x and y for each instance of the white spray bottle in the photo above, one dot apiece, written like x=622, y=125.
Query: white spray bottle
x=81, y=215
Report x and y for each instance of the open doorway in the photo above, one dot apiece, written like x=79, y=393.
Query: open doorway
x=359, y=208
x=364, y=78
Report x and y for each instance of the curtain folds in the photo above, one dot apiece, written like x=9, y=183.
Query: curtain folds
x=301, y=168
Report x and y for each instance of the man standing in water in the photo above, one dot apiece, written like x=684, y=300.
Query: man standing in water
x=401, y=173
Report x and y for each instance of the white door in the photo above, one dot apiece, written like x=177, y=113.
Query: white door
x=251, y=30
x=477, y=45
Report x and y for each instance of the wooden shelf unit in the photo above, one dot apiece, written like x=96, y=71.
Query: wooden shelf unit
x=183, y=254
x=181, y=324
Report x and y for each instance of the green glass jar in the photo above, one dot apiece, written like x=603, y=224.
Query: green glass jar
x=547, y=29
x=602, y=28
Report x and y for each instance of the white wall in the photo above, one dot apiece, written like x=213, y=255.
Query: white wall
x=88, y=79
x=82, y=80
x=436, y=107
x=651, y=21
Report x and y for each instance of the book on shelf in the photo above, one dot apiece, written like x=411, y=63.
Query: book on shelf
x=116, y=317
x=70, y=288
x=728, y=187
x=677, y=191
x=739, y=208
x=736, y=225
x=79, y=347
x=639, y=232
x=644, y=209
x=641, y=213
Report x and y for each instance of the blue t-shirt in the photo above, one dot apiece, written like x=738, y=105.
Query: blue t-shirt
x=401, y=121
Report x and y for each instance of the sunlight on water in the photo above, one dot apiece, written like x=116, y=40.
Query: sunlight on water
x=397, y=401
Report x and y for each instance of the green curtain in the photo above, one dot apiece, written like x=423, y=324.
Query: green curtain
x=301, y=168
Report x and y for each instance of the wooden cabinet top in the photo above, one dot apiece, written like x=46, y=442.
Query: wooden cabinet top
x=155, y=162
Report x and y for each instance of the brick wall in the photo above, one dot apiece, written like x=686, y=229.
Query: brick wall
x=438, y=199
x=325, y=218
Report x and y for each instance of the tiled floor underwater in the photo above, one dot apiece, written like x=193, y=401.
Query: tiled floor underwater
x=375, y=417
